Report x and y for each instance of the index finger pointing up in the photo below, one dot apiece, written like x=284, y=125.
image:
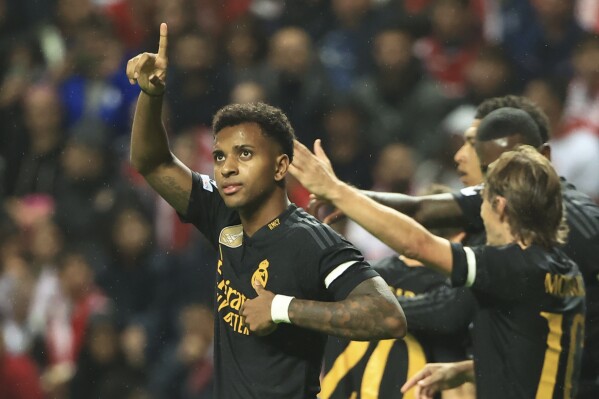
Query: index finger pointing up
x=162, y=44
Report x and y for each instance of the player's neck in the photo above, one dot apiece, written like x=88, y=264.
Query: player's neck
x=256, y=218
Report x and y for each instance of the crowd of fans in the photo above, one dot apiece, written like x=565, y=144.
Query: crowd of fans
x=103, y=291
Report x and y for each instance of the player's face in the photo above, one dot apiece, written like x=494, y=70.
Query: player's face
x=468, y=166
x=245, y=164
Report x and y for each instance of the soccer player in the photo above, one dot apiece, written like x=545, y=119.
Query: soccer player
x=463, y=209
x=283, y=279
x=528, y=330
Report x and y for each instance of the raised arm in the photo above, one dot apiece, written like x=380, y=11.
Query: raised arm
x=432, y=211
x=395, y=229
x=150, y=152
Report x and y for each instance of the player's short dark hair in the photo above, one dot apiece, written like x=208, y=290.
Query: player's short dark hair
x=507, y=121
x=519, y=102
x=532, y=189
x=272, y=121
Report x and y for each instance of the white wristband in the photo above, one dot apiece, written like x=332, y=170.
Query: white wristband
x=279, y=309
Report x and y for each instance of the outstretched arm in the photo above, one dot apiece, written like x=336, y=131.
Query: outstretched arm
x=395, y=229
x=370, y=312
x=432, y=211
x=150, y=153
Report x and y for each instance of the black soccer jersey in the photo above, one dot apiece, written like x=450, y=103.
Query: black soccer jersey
x=528, y=331
x=378, y=369
x=294, y=255
x=582, y=246
x=582, y=215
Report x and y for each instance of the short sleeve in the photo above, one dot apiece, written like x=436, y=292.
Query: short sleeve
x=492, y=272
x=469, y=200
x=342, y=268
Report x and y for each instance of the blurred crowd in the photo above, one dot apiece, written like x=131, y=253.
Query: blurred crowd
x=103, y=291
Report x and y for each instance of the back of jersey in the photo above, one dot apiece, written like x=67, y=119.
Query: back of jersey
x=528, y=337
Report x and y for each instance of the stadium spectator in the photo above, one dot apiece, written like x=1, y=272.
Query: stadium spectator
x=19, y=376
x=402, y=103
x=297, y=82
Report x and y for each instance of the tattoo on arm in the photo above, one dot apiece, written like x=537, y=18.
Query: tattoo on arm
x=370, y=312
x=169, y=188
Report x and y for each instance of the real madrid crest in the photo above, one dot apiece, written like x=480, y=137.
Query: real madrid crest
x=261, y=275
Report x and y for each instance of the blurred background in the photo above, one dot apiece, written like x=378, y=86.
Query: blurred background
x=103, y=292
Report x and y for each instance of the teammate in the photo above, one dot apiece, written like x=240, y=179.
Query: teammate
x=529, y=327
x=283, y=279
x=463, y=209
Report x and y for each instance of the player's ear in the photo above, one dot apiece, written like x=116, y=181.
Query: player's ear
x=545, y=150
x=499, y=204
x=282, y=166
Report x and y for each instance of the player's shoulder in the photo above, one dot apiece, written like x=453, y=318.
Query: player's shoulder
x=581, y=211
x=308, y=229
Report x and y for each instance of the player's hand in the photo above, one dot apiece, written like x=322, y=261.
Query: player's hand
x=317, y=204
x=435, y=377
x=256, y=312
x=149, y=69
x=313, y=171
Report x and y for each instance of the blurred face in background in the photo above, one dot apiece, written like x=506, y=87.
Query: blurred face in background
x=350, y=12
x=103, y=342
x=451, y=20
x=193, y=53
x=342, y=128
x=47, y=241
x=290, y=51
x=43, y=112
x=76, y=276
x=586, y=59
x=395, y=168
x=132, y=232
x=81, y=162
x=392, y=50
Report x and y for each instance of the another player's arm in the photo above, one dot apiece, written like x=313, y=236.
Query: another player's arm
x=395, y=229
x=370, y=312
x=432, y=211
x=150, y=153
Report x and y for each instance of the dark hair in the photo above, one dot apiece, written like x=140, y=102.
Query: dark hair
x=533, y=196
x=272, y=121
x=507, y=121
x=536, y=113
